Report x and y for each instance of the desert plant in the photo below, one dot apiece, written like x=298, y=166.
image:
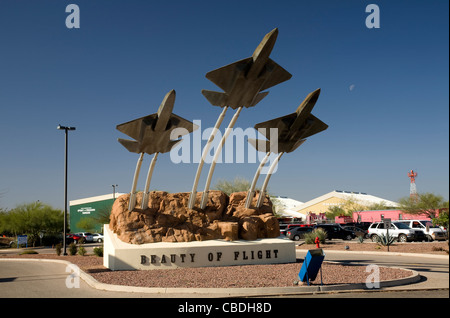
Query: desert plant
x=386, y=240
x=73, y=248
x=361, y=239
x=82, y=251
x=29, y=252
x=58, y=249
x=239, y=184
x=98, y=251
x=311, y=236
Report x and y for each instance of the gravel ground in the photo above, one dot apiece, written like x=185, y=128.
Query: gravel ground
x=279, y=275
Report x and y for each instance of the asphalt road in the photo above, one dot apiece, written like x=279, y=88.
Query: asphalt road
x=46, y=279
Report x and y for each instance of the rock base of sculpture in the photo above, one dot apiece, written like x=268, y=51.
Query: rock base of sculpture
x=167, y=219
x=118, y=255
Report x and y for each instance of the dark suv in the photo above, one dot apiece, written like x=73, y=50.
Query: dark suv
x=335, y=231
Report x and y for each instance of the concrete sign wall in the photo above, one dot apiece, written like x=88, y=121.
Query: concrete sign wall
x=118, y=255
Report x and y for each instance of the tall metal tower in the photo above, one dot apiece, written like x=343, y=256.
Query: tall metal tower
x=412, y=189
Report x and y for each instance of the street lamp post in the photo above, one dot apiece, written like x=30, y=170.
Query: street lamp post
x=66, y=129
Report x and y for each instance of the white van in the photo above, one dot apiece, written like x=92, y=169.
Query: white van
x=432, y=232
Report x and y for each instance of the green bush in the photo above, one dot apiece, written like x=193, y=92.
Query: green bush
x=98, y=251
x=29, y=252
x=73, y=248
x=82, y=251
x=311, y=236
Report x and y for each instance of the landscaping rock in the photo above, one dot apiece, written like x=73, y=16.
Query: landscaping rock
x=167, y=218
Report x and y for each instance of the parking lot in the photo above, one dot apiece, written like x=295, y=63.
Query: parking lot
x=378, y=232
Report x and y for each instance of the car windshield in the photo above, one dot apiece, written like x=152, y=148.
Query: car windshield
x=425, y=223
x=401, y=225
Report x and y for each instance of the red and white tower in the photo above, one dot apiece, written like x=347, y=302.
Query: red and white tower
x=412, y=189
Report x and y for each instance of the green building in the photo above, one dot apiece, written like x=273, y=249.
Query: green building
x=87, y=211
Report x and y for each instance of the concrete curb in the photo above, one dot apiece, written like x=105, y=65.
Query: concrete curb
x=437, y=256
x=233, y=292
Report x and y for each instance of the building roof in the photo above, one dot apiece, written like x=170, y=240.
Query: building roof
x=286, y=206
x=94, y=199
x=358, y=197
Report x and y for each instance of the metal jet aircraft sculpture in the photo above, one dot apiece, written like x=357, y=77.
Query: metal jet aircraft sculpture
x=290, y=133
x=152, y=135
x=242, y=83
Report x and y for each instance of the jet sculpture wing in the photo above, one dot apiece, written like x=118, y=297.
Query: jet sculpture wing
x=149, y=148
x=277, y=74
x=226, y=76
x=133, y=128
x=149, y=141
x=281, y=123
x=270, y=145
x=313, y=124
x=223, y=99
x=316, y=128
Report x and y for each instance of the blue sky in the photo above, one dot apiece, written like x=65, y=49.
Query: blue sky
x=384, y=92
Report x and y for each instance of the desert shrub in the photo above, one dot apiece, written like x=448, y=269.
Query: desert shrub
x=58, y=249
x=311, y=236
x=73, y=248
x=98, y=251
x=82, y=251
x=29, y=252
x=439, y=249
x=386, y=240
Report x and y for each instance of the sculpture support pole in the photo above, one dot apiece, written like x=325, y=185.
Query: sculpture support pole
x=262, y=193
x=216, y=156
x=251, y=191
x=193, y=195
x=144, y=203
x=132, y=203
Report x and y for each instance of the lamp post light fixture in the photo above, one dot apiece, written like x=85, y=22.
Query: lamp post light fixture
x=114, y=191
x=66, y=129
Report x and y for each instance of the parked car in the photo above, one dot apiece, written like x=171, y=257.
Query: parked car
x=87, y=236
x=335, y=231
x=97, y=237
x=357, y=230
x=284, y=228
x=400, y=231
x=298, y=233
x=73, y=238
x=432, y=232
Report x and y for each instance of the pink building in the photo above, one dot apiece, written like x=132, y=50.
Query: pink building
x=376, y=216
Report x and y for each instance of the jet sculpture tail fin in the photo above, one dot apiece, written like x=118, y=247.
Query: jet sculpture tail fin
x=221, y=99
x=132, y=146
x=216, y=98
x=258, y=98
